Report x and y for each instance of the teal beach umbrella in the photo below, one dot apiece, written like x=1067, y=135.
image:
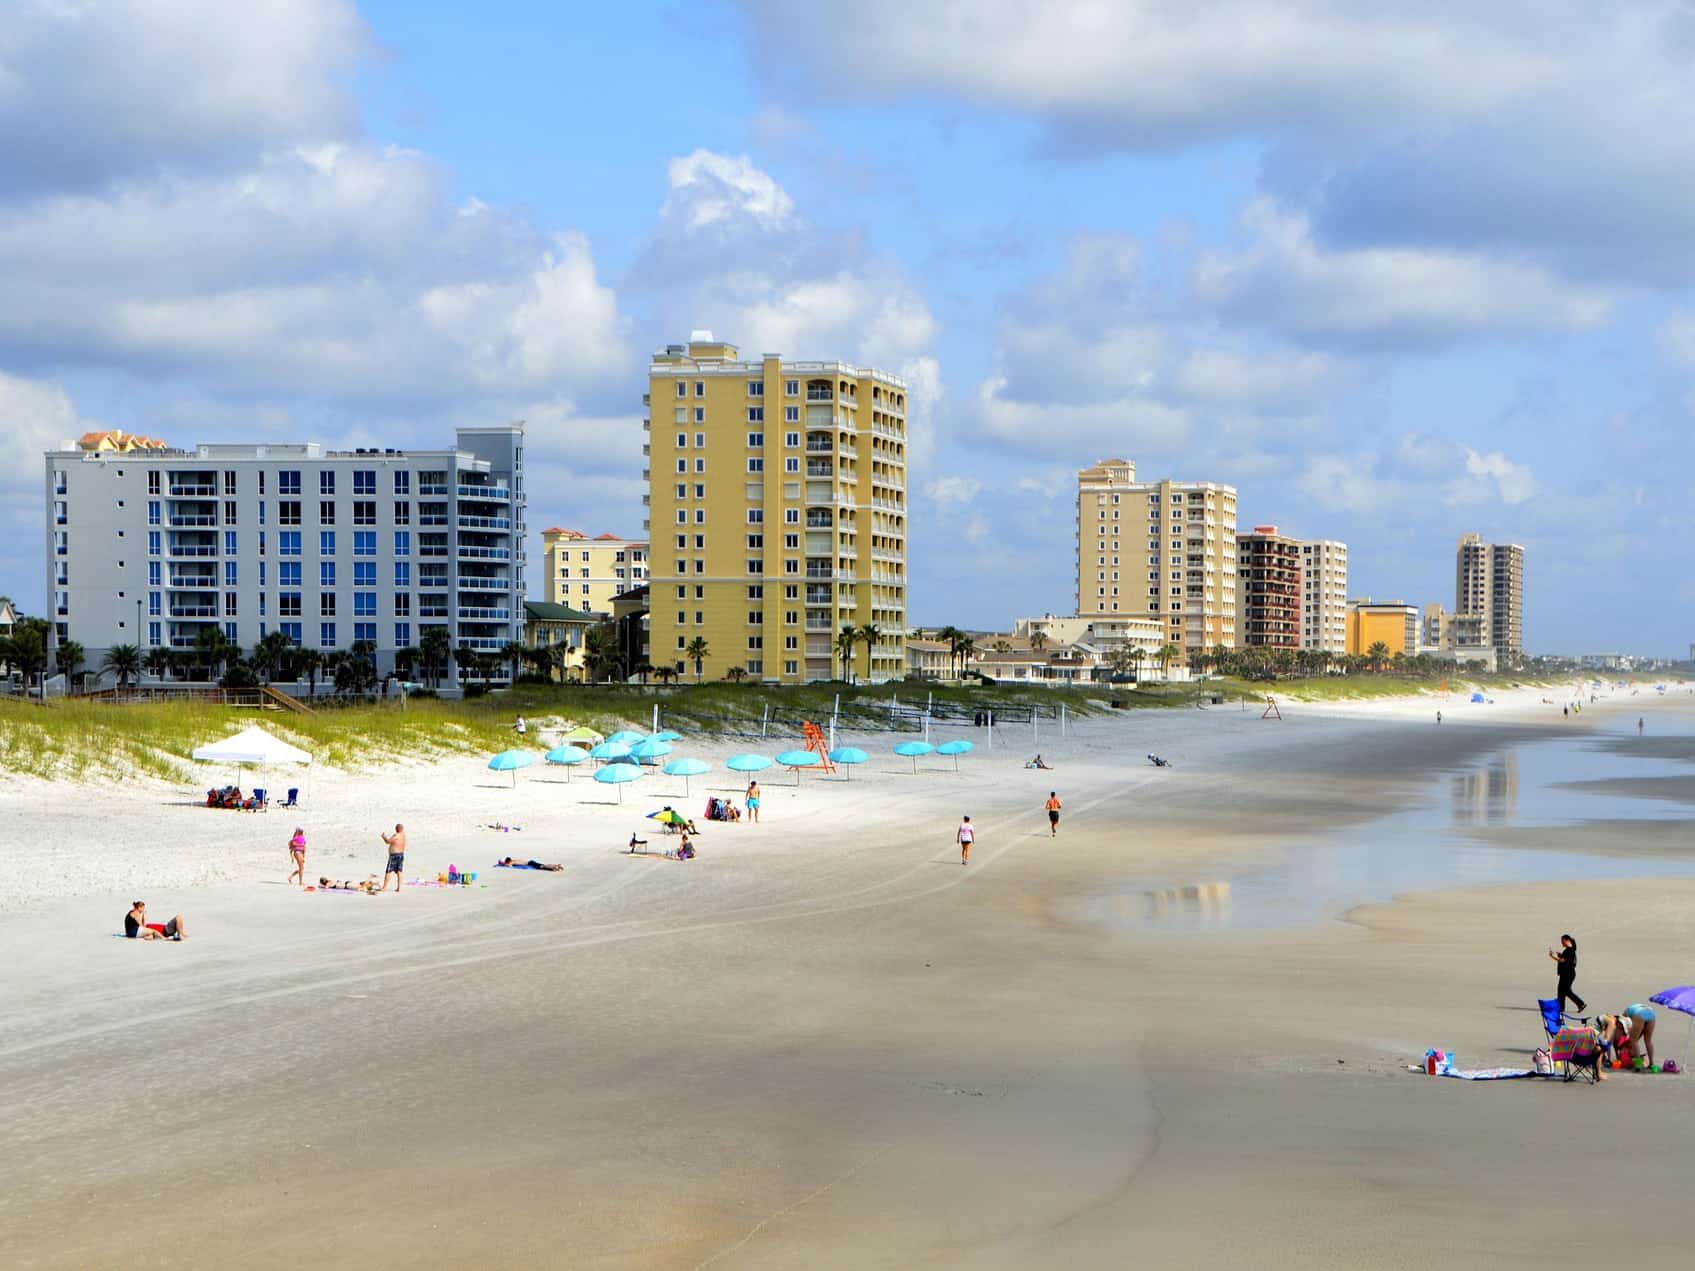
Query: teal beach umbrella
x=686, y=768
x=849, y=757
x=912, y=749
x=620, y=775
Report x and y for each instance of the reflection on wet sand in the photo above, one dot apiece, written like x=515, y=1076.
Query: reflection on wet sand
x=1202, y=904
x=1488, y=795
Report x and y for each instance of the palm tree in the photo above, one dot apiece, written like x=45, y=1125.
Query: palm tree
x=122, y=660
x=967, y=648
x=950, y=636
x=26, y=649
x=308, y=662
x=1038, y=641
x=1005, y=646
x=870, y=635
x=1165, y=655
x=158, y=661
x=736, y=674
x=1379, y=654
x=845, y=641
x=406, y=661
x=665, y=673
x=697, y=652
x=270, y=653
x=213, y=650
x=435, y=644
x=70, y=657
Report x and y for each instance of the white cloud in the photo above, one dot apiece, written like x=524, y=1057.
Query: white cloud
x=1676, y=340
x=1343, y=483
x=1492, y=476
x=91, y=93
x=954, y=489
x=709, y=189
x=1286, y=280
x=1114, y=425
x=1225, y=376
x=34, y=416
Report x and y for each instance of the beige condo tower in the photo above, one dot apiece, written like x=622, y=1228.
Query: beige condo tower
x=777, y=513
x=1489, y=597
x=1164, y=550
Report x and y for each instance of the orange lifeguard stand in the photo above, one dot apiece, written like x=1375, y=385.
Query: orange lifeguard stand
x=815, y=742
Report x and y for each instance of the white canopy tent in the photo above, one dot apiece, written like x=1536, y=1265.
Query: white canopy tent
x=252, y=746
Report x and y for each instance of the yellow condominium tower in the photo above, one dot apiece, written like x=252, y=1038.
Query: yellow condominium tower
x=585, y=573
x=1158, y=549
x=777, y=514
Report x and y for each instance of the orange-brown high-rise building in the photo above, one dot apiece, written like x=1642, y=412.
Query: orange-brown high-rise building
x=1268, y=589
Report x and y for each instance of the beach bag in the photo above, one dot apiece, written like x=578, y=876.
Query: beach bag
x=1543, y=1063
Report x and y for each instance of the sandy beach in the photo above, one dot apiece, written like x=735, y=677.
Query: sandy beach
x=1179, y=1030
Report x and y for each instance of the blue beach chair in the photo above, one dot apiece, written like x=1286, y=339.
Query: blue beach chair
x=293, y=800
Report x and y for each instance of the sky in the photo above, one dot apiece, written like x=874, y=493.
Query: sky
x=1397, y=272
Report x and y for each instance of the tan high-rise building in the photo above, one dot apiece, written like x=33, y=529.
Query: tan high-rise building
x=777, y=513
x=1324, y=595
x=1436, y=633
x=585, y=573
x=1489, y=597
x=1158, y=549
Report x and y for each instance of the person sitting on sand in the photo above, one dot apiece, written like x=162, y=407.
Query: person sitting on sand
x=512, y=864
x=1039, y=762
x=136, y=926
x=685, y=849
x=731, y=811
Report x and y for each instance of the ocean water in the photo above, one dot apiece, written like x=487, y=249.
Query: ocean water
x=1429, y=844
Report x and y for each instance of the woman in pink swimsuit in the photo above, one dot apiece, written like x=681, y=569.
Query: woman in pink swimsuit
x=297, y=855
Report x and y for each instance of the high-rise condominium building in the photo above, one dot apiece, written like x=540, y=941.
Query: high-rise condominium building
x=1324, y=595
x=153, y=546
x=1268, y=589
x=1489, y=596
x=585, y=573
x=1436, y=634
x=1158, y=549
x=777, y=506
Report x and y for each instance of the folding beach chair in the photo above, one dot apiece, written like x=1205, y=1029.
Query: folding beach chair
x=1576, y=1051
x=293, y=800
x=258, y=800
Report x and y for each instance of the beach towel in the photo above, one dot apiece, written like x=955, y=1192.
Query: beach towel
x=1575, y=1041
x=1487, y=1074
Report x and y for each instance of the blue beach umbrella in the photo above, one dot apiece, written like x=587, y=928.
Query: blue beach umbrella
x=747, y=763
x=798, y=759
x=848, y=757
x=649, y=750
x=668, y=734
x=511, y=761
x=626, y=736
x=608, y=751
x=956, y=749
x=686, y=768
x=912, y=749
x=567, y=757
x=620, y=775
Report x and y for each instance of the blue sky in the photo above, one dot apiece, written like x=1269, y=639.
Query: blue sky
x=1396, y=272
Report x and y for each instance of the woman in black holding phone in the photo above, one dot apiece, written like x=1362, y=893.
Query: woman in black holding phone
x=1566, y=959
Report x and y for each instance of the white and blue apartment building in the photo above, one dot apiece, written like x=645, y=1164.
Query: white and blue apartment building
x=150, y=547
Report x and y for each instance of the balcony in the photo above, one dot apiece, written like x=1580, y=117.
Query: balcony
x=192, y=582
x=468, y=614
x=483, y=644
x=182, y=522
x=175, y=551
x=432, y=611
x=501, y=523
x=194, y=491
x=424, y=491
x=492, y=493
x=433, y=582
x=823, y=447
x=433, y=518
x=484, y=584
x=819, y=395
x=819, y=470
x=818, y=624
x=466, y=552
x=432, y=549
x=193, y=611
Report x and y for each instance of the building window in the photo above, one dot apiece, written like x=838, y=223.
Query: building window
x=287, y=483
x=756, y=465
x=700, y=388
x=402, y=634
x=699, y=466
x=755, y=566
x=364, y=542
x=288, y=512
x=791, y=465
x=791, y=415
x=288, y=604
x=699, y=416
x=682, y=465
x=403, y=513
x=756, y=441
x=403, y=542
x=326, y=512
x=326, y=573
x=402, y=605
x=682, y=389
x=326, y=482
x=402, y=482
x=364, y=482
x=288, y=542
x=756, y=388
x=756, y=414
x=365, y=513
x=326, y=604
x=326, y=635
x=364, y=604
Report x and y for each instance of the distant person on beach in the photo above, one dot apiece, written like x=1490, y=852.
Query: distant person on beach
x=513, y=864
x=1638, y=725
x=1053, y=805
x=966, y=836
x=1438, y=717
x=297, y=855
x=752, y=801
x=369, y=886
x=520, y=727
x=1632, y=1027
x=1039, y=762
x=396, y=844
x=136, y=926
x=1566, y=960
x=685, y=849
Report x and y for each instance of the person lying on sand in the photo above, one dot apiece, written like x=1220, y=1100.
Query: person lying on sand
x=1158, y=762
x=512, y=864
x=136, y=926
x=1039, y=762
x=369, y=886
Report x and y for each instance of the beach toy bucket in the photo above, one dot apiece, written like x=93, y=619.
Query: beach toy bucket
x=1670, y=1065
x=1640, y=1063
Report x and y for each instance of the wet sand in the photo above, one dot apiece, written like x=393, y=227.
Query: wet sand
x=827, y=1044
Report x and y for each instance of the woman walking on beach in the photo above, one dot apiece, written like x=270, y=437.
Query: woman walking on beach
x=752, y=801
x=966, y=836
x=297, y=855
x=1566, y=960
